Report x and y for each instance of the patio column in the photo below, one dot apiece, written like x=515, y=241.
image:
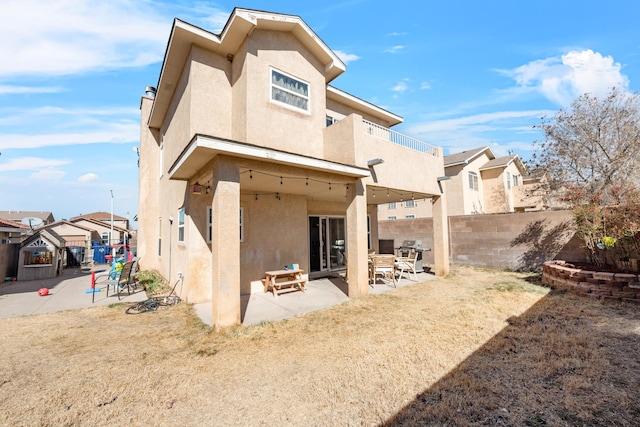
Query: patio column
x=225, y=243
x=440, y=235
x=357, y=267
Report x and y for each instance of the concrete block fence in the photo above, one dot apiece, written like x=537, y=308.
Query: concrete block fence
x=602, y=286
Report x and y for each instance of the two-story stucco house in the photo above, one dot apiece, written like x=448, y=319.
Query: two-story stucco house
x=250, y=161
x=479, y=182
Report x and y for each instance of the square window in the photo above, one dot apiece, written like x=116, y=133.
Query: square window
x=181, y=225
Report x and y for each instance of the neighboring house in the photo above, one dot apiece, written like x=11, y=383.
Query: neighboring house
x=250, y=161
x=102, y=231
x=35, y=218
x=478, y=183
x=12, y=231
x=105, y=217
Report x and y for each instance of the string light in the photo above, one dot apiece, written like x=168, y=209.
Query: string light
x=280, y=180
x=256, y=196
x=250, y=174
x=374, y=193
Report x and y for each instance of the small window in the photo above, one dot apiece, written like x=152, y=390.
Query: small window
x=209, y=224
x=181, y=225
x=105, y=238
x=38, y=257
x=508, y=180
x=410, y=217
x=410, y=204
x=392, y=205
x=331, y=120
x=391, y=218
x=289, y=91
x=516, y=180
x=473, y=181
x=241, y=224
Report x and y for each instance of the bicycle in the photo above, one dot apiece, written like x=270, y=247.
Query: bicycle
x=155, y=303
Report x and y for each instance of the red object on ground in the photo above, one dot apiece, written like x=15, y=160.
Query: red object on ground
x=93, y=280
x=43, y=292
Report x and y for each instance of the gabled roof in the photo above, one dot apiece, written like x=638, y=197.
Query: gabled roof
x=100, y=216
x=359, y=104
x=467, y=156
x=49, y=235
x=69, y=223
x=100, y=223
x=240, y=24
x=503, y=162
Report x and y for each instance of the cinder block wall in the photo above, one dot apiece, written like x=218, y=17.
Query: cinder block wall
x=517, y=241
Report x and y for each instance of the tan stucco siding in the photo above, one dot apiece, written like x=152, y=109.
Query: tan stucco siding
x=339, y=111
x=211, y=97
x=176, y=131
x=275, y=235
x=274, y=125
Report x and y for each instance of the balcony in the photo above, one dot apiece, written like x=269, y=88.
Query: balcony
x=387, y=134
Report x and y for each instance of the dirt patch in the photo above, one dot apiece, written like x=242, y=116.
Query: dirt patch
x=478, y=348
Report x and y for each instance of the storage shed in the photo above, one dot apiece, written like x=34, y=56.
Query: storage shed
x=41, y=256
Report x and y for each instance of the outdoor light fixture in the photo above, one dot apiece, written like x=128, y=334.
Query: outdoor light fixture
x=374, y=162
x=197, y=188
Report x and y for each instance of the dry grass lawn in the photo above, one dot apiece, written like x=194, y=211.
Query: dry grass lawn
x=477, y=348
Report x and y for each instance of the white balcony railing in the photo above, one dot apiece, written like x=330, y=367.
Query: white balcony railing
x=387, y=134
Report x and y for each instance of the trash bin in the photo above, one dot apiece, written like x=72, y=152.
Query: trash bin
x=99, y=253
x=75, y=256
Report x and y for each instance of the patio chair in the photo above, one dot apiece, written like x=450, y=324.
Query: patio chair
x=384, y=266
x=124, y=279
x=407, y=264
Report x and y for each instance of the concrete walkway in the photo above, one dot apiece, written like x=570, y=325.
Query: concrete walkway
x=66, y=292
x=319, y=294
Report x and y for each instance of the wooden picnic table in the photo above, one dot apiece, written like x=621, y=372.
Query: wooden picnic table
x=283, y=279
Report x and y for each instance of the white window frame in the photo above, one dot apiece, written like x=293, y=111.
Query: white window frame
x=392, y=218
x=410, y=216
x=391, y=205
x=473, y=181
x=209, y=224
x=410, y=204
x=181, y=228
x=516, y=180
x=273, y=86
x=508, y=180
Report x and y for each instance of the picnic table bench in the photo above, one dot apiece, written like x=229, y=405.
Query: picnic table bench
x=278, y=280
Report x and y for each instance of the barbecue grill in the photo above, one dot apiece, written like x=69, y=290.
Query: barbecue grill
x=409, y=249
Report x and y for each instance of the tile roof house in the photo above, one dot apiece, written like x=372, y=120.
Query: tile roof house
x=12, y=231
x=250, y=160
x=479, y=183
x=104, y=217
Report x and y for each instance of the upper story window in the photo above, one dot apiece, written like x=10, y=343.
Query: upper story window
x=508, y=180
x=410, y=204
x=331, y=120
x=392, y=205
x=289, y=91
x=516, y=180
x=473, y=181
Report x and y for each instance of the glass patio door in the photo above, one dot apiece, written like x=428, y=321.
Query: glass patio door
x=327, y=241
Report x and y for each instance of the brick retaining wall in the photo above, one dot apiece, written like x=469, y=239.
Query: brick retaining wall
x=593, y=284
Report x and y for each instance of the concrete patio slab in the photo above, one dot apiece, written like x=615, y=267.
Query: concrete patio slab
x=66, y=292
x=320, y=293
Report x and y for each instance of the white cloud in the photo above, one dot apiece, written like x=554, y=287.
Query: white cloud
x=396, y=34
x=71, y=36
x=31, y=163
x=401, y=86
x=346, y=57
x=113, y=133
x=12, y=89
x=49, y=174
x=395, y=49
x=485, y=120
x=88, y=177
x=562, y=79
x=425, y=86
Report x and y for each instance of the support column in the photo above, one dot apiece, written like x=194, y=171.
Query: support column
x=440, y=235
x=357, y=264
x=225, y=243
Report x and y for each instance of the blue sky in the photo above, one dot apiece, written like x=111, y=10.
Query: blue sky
x=462, y=74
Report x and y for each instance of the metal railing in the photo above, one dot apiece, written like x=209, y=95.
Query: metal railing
x=387, y=134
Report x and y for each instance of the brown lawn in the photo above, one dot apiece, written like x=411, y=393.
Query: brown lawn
x=477, y=348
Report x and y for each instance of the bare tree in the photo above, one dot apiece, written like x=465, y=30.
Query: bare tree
x=592, y=146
